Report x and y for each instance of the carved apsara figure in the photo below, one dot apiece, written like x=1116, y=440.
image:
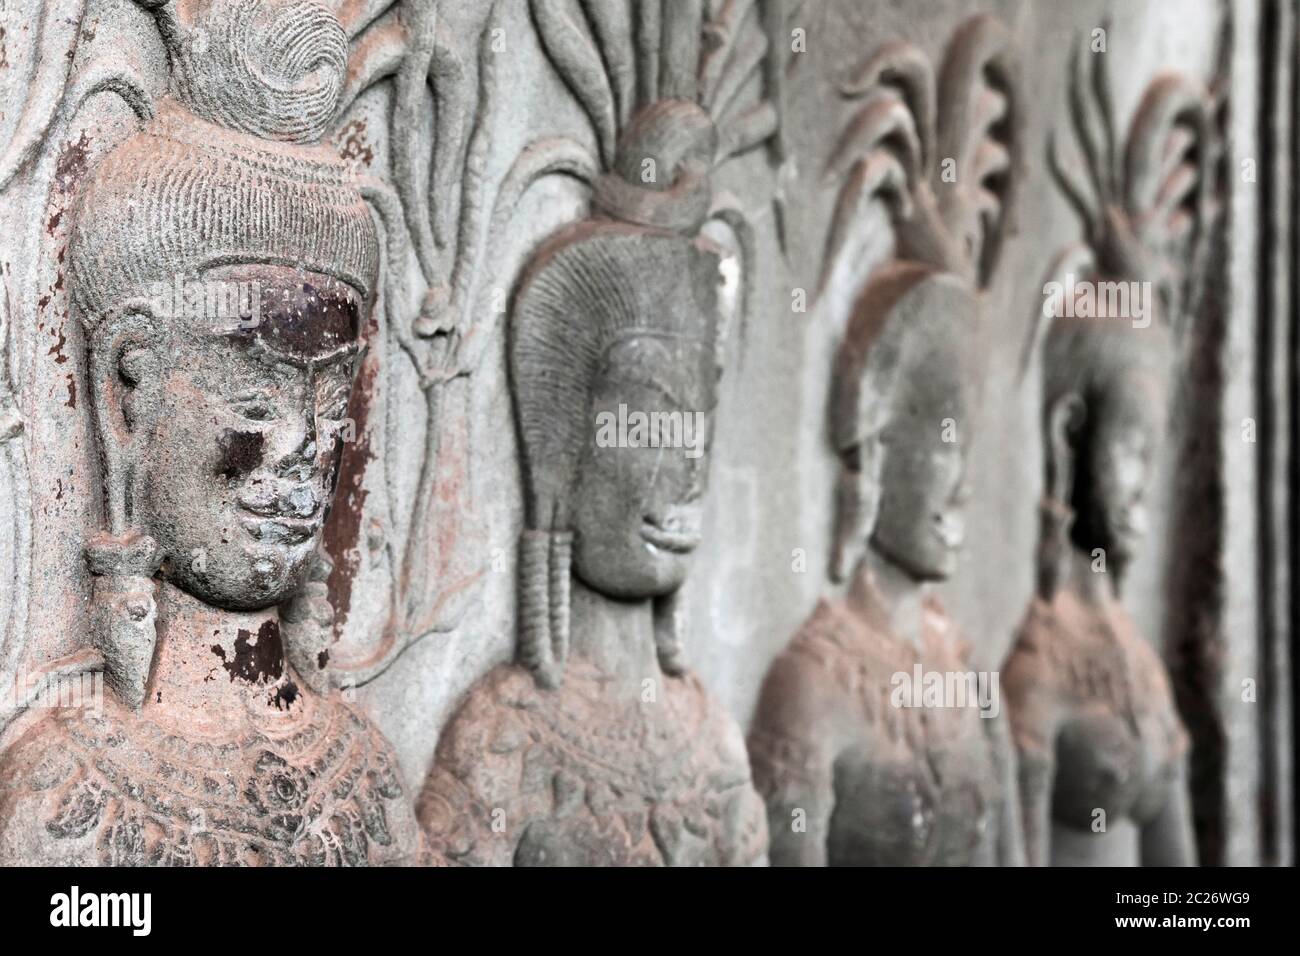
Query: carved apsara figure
x=220, y=436
x=1102, y=751
x=855, y=767
x=598, y=746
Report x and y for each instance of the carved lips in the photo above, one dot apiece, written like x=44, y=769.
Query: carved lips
x=950, y=529
x=678, y=533
x=289, y=515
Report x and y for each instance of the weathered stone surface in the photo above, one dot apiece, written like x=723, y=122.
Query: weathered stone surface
x=628, y=760
x=1102, y=751
x=367, y=544
x=218, y=433
x=850, y=772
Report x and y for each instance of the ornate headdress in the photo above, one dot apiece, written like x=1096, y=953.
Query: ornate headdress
x=666, y=88
x=1147, y=222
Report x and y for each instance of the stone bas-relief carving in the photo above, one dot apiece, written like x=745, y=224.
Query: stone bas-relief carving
x=163, y=529
x=598, y=746
x=219, y=440
x=852, y=774
x=1102, y=751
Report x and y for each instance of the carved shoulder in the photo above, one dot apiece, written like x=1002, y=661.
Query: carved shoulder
x=725, y=761
x=477, y=794
x=490, y=722
x=1151, y=687
x=797, y=693
x=793, y=738
x=1031, y=681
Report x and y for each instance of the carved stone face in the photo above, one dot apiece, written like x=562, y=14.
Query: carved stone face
x=920, y=525
x=637, y=508
x=1116, y=463
x=238, y=467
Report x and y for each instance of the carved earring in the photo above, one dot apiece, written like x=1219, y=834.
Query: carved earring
x=545, y=562
x=1055, y=514
x=122, y=559
x=849, y=525
x=670, y=629
x=857, y=498
x=307, y=625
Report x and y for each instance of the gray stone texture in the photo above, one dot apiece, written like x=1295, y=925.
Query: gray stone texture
x=453, y=145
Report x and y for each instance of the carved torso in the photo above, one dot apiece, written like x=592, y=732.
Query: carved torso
x=877, y=784
x=580, y=776
x=1086, y=691
x=314, y=784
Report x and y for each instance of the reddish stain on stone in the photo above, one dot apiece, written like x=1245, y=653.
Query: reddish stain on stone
x=342, y=533
x=72, y=392
x=257, y=660
x=352, y=143
x=72, y=162
x=57, y=348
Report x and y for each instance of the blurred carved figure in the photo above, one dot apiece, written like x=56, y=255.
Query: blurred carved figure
x=222, y=265
x=1102, y=751
x=598, y=746
x=857, y=765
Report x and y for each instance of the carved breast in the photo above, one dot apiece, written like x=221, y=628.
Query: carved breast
x=320, y=788
x=916, y=787
x=913, y=785
x=1118, y=738
x=900, y=806
x=1106, y=762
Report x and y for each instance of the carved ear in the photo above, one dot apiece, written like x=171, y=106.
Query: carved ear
x=856, y=505
x=125, y=384
x=1064, y=418
x=742, y=252
x=126, y=369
